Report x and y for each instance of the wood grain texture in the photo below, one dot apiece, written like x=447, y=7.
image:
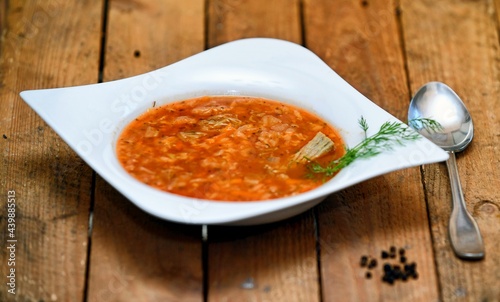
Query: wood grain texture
x=268, y=263
x=238, y=19
x=39, y=49
x=136, y=257
x=464, y=54
x=361, y=42
x=274, y=262
x=3, y=16
x=385, y=49
x=496, y=7
x=147, y=35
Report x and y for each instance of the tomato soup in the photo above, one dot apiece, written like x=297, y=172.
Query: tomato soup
x=227, y=148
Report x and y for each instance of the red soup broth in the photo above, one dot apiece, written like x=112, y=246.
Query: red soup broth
x=227, y=148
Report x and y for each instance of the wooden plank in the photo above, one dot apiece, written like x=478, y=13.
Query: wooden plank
x=361, y=42
x=3, y=16
x=238, y=19
x=274, y=262
x=497, y=9
x=136, y=257
x=147, y=35
x=45, y=44
x=457, y=43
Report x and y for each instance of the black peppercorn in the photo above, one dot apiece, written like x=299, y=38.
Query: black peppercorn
x=373, y=263
x=364, y=261
x=408, y=268
x=392, y=252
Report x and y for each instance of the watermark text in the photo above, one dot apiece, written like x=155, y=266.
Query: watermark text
x=11, y=242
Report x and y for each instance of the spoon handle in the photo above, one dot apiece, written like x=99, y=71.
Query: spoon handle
x=464, y=232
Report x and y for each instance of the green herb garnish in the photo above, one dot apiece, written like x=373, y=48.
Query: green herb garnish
x=389, y=135
x=427, y=124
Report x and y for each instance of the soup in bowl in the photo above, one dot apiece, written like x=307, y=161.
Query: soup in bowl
x=228, y=148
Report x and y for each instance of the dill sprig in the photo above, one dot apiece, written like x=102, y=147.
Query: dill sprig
x=427, y=124
x=364, y=125
x=389, y=135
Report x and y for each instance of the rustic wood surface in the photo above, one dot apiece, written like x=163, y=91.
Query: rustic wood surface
x=78, y=239
x=465, y=55
x=52, y=185
x=166, y=259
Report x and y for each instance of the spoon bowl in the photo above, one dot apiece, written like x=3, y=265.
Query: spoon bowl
x=437, y=102
x=440, y=103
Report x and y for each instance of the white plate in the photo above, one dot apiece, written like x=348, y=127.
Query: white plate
x=89, y=118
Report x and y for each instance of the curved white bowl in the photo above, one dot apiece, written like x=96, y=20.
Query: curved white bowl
x=89, y=118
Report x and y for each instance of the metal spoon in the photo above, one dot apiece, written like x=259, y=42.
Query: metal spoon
x=440, y=103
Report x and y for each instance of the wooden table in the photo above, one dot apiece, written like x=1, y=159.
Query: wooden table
x=80, y=240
